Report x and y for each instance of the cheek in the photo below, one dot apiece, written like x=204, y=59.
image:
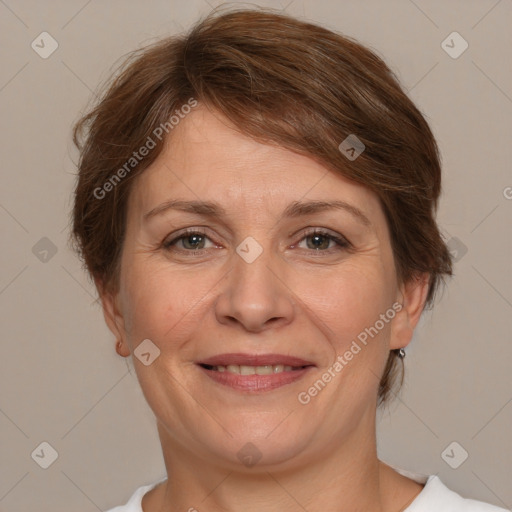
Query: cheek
x=347, y=300
x=162, y=304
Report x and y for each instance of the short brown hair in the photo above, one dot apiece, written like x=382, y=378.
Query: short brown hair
x=281, y=81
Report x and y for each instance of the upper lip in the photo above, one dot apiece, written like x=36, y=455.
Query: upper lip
x=254, y=360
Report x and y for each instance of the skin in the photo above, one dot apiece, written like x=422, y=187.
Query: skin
x=293, y=299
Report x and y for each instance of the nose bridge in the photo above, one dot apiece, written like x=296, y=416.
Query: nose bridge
x=254, y=294
x=251, y=268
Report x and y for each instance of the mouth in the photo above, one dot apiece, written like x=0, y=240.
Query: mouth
x=255, y=373
x=253, y=370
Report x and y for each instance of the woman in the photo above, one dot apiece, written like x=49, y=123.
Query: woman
x=256, y=205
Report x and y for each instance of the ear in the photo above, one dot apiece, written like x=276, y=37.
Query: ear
x=412, y=296
x=113, y=318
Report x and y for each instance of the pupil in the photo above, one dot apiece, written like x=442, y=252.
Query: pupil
x=193, y=237
x=316, y=238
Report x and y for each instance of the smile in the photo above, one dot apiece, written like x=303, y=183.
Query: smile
x=255, y=373
x=254, y=370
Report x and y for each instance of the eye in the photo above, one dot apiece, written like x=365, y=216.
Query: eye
x=321, y=240
x=191, y=240
x=317, y=241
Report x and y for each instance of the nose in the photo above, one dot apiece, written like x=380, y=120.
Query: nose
x=255, y=295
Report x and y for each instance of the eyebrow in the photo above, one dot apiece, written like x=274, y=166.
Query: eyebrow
x=293, y=210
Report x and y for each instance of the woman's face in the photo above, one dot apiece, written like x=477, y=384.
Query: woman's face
x=256, y=281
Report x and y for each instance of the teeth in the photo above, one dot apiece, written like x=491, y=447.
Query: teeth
x=254, y=370
x=264, y=370
x=247, y=370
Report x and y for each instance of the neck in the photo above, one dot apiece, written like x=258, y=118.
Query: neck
x=347, y=477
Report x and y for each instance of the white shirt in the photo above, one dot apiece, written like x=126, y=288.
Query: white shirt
x=434, y=497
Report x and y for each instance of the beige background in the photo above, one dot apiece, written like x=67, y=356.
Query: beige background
x=60, y=378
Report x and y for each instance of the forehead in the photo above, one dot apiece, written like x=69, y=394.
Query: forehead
x=207, y=158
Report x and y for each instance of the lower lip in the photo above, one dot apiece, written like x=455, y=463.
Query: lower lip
x=256, y=383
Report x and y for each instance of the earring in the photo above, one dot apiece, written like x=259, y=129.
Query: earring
x=401, y=353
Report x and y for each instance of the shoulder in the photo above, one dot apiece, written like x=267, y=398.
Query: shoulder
x=134, y=504
x=435, y=496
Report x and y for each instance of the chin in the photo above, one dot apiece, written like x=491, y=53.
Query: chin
x=259, y=441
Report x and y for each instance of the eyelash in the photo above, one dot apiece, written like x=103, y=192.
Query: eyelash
x=342, y=243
